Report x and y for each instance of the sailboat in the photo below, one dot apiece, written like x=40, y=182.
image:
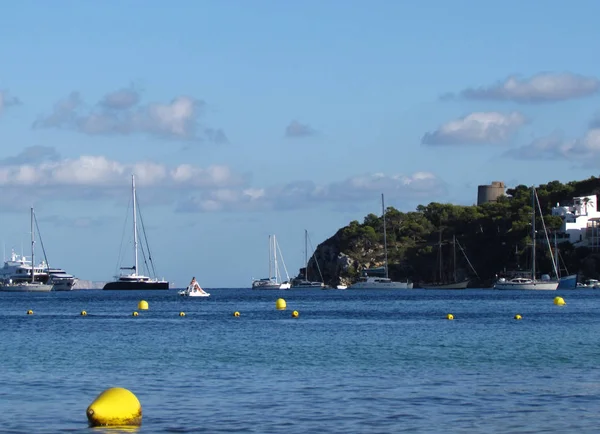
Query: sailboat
x=305, y=283
x=133, y=280
x=454, y=283
x=274, y=279
x=373, y=282
x=532, y=283
x=568, y=281
x=29, y=285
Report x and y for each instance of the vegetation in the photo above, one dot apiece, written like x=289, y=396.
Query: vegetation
x=495, y=236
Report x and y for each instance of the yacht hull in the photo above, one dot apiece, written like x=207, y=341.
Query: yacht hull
x=530, y=286
x=453, y=285
x=26, y=287
x=135, y=286
x=381, y=285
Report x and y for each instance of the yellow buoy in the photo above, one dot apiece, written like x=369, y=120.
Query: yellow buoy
x=449, y=316
x=83, y=313
x=134, y=314
x=559, y=301
x=115, y=407
x=280, y=304
x=143, y=305
x=295, y=314
x=518, y=316
x=236, y=314
x=181, y=313
x=29, y=312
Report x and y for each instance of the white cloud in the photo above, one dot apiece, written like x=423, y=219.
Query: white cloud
x=99, y=171
x=542, y=87
x=120, y=112
x=476, y=128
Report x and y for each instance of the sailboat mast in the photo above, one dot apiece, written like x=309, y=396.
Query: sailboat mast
x=533, y=233
x=384, y=236
x=32, y=248
x=135, y=239
x=275, y=259
x=305, y=254
x=454, y=257
x=270, y=258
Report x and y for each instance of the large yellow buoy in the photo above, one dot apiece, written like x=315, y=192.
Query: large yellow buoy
x=115, y=407
x=450, y=316
x=295, y=314
x=559, y=301
x=280, y=304
x=143, y=305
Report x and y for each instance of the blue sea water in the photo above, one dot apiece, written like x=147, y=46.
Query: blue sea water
x=353, y=362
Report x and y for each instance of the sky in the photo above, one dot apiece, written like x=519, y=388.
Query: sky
x=244, y=118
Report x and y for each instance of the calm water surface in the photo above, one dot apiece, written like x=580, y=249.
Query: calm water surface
x=353, y=362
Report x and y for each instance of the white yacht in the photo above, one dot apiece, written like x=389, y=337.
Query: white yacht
x=530, y=282
x=370, y=282
x=274, y=279
x=19, y=275
x=60, y=279
x=384, y=282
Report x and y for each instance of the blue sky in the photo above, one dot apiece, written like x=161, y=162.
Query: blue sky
x=245, y=118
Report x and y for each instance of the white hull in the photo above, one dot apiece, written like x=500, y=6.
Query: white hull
x=26, y=287
x=533, y=285
x=63, y=286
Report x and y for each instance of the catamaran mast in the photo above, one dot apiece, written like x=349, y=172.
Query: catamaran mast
x=135, y=239
x=32, y=245
x=384, y=237
x=533, y=233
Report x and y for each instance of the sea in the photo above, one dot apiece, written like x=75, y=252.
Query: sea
x=385, y=361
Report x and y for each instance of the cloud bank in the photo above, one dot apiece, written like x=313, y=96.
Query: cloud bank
x=476, y=128
x=121, y=113
x=539, y=88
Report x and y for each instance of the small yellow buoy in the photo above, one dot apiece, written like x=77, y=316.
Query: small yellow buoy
x=181, y=313
x=29, y=312
x=134, y=314
x=449, y=316
x=143, y=305
x=280, y=304
x=115, y=407
x=236, y=314
x=295, y=314
x=559, y=301
x=83, y=313
x=518, y=316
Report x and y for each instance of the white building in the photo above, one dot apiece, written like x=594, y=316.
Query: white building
x=579, y=220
